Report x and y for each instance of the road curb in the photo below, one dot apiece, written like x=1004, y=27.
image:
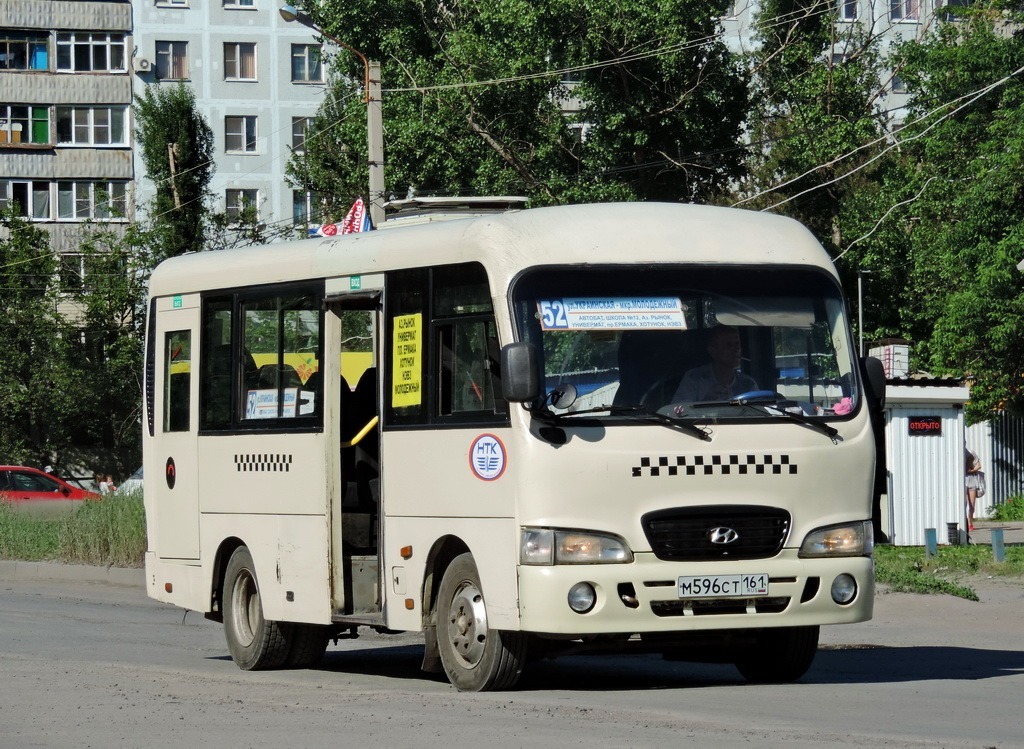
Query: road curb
x=21, y=571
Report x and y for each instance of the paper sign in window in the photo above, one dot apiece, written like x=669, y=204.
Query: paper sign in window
x=407, y=385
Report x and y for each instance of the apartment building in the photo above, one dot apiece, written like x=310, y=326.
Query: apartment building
x=889, y=21
x=257, y=80
x=65, y=116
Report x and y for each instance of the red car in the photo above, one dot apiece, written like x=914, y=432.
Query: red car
x=30, y=489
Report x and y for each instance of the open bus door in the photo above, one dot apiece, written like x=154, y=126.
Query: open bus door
x=357, y=530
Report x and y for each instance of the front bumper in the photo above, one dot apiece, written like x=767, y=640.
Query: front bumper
x=642, y=596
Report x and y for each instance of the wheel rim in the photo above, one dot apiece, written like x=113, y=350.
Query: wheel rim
x=467, y=624
x=245, y=604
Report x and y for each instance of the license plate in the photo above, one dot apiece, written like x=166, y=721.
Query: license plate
x=723, y=586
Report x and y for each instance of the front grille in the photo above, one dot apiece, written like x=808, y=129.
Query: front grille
x=684, y=534
x=719, y=607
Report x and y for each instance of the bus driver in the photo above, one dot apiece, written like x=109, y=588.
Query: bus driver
x=721, y=379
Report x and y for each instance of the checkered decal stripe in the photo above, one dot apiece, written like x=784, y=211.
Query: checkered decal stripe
x=263, y=462
x=710, y=465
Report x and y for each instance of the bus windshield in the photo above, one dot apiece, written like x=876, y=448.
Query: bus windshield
x=701, y=342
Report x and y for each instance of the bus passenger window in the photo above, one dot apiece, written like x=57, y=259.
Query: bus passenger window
x=281, y=335
x=215, y=403
x=177, y=373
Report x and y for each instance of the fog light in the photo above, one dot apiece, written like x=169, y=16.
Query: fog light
x=582, y=597
x=844, y=589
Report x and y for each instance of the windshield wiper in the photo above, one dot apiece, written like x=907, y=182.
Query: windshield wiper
x=771, y=405
x=639, y=413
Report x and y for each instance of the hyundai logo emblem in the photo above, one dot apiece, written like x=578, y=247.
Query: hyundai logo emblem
x=722, y=535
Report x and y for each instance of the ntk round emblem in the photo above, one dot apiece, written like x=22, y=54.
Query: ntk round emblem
x=487, y=457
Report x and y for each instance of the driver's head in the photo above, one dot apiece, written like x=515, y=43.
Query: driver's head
x=724, y=347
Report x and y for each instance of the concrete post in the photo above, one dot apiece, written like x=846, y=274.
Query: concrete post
x=375, y=146
x=931, y=543
x=998, y=550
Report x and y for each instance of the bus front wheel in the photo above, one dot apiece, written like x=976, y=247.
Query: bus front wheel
x=780, y=655
x=255, y=643
x=475, y=657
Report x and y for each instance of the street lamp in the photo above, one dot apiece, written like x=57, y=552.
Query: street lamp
x=374, y=122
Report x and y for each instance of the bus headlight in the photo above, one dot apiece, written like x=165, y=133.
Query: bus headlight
x=554, y=546
x=845, y=540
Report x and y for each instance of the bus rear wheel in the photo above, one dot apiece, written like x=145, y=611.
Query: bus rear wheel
x=780, y=655
x=255, y=643
x=308, y=645
x=475, y=657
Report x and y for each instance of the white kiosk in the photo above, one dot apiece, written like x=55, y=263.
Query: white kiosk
x=925, y=458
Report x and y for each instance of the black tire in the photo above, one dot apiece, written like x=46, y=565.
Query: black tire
x=475, y=657
x=255, y=643
x=781, y=655
x=308, y=645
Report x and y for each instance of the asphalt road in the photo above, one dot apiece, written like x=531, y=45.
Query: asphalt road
x=88, y=664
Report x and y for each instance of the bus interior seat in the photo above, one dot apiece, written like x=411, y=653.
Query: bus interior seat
x=279, y=376
x=217, y=384
x=250, y=372
x=364, y=408
x=647, y=357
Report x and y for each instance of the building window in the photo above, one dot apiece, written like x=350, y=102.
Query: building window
x=30, y=200
x=239, y=202
x=84, y=52
x=848, y=10
x=240, y=134
x=173, y=3
x=80, y=201
x=240, y=61
x=951, y=15
x=899, y=86
x=305, y=208
x=75, y=271
x=306, y=65
x=172, y=61
x=299, y=127
x=23, y=50
x=23, y=123
x=904, y=10
x=92, y=126
x=240, y=4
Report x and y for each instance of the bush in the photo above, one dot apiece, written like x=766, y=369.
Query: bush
x=1011, y=509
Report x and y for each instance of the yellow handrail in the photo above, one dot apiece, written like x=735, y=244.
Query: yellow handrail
x=362, y=433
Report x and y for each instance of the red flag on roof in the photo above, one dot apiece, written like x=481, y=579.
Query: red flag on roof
x=357, y=219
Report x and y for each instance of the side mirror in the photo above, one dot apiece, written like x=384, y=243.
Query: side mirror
x=519, y=381
x=874, y=381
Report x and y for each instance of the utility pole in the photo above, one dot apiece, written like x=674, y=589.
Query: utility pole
x=375, y=144
x=374, y=120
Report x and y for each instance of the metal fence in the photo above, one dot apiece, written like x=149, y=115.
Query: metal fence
x=999, y=444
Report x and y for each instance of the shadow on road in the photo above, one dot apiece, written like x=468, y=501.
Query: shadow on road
x=855, y=664
x=870, y=664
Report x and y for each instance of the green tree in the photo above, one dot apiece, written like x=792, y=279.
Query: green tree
x=952, y=214
x=110, y=323
x=558, y=101
x=176, y=145
x=38, y=397
x=816, y=121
